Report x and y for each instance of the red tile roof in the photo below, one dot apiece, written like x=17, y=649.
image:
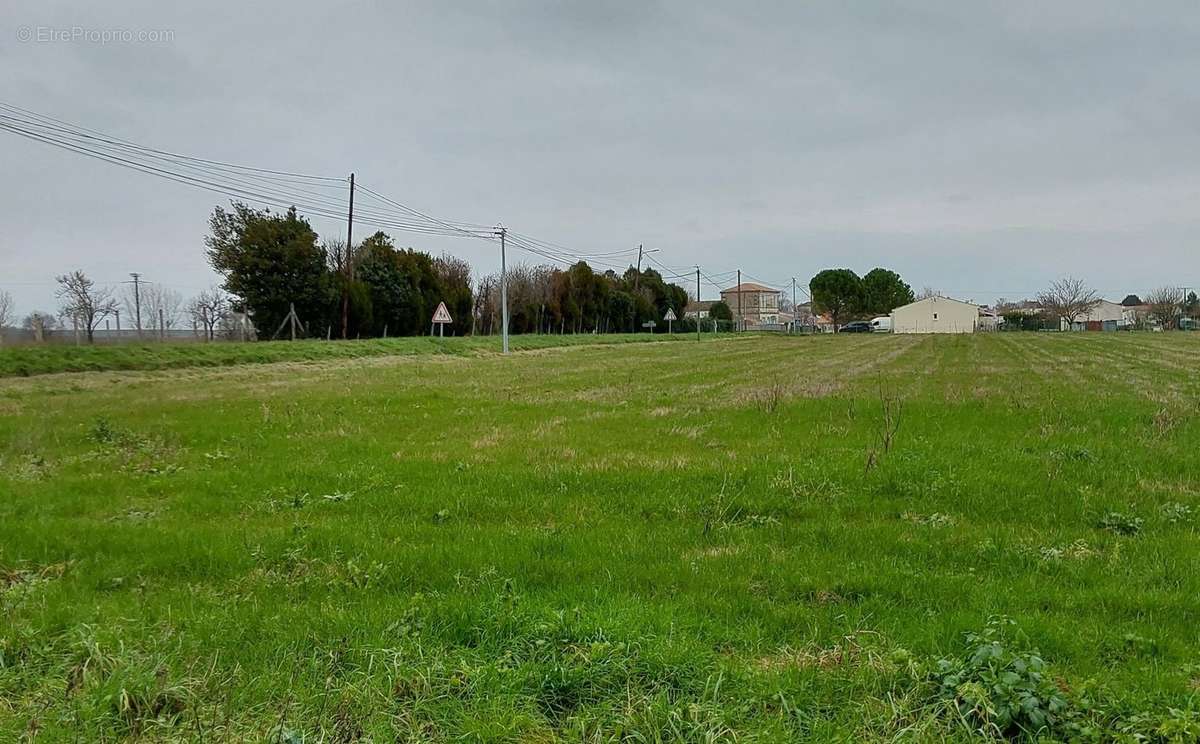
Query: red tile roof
x=750, y=287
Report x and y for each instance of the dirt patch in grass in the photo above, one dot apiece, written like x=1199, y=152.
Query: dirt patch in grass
x=27, y=575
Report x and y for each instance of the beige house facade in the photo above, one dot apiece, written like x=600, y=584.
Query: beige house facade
x=936, y=315
x=1104, y=316
x=752, y=304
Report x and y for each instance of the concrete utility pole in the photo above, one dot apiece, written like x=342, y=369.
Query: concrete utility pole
x=794, y=312
x=697, y=303
x=738, y=322
x=503, y=233
x=348, y=269
x=137, y=302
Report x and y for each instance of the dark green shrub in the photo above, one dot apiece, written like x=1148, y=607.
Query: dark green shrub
x=1000, y=686
x=1120, y=523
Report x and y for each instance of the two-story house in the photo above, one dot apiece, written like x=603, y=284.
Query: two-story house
x=752, y=304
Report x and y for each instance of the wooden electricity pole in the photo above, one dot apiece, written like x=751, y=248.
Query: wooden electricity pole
x=348, y=263
x=637, y=278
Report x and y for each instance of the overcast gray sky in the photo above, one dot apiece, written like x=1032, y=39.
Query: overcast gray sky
x=983, y=149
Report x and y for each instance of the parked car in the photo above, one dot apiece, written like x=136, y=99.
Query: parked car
x=882, y=324
x=857, y=326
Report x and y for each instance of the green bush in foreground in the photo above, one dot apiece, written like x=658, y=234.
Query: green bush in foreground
x=1001, y=688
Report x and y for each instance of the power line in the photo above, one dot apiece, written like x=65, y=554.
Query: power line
x=251, y=187
x=111, y=139
x=667, y=269
x=257, y=188
x=567, y=251
x=291, y=189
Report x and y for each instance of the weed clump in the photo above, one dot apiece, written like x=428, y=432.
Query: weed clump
x=1176, y=513
x=103, y=431
x=1119, y=523
x=936, y=519
x=1001, y=687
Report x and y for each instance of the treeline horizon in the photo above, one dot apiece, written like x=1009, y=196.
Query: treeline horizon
x=273, y=262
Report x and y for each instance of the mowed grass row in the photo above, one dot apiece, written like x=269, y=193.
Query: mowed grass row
x=657, y=542
x=23, y=361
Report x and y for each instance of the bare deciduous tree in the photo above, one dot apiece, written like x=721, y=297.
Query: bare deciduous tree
x=927, y=292
x=336, y=255
x=153, y=298
x=160, y=307
x=341, y=258
x=83, y=302
x=452, y=269
x=486, y=309
x=1165, y=305
x=206, y=311
x=6, y=313
x=1067, y=300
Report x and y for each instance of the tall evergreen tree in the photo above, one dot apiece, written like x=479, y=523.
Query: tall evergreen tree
x=271, y=261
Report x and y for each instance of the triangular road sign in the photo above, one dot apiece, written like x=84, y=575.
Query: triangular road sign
x=441, y=315
x=670, y=314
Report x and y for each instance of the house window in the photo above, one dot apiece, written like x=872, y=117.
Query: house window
x=935, y=316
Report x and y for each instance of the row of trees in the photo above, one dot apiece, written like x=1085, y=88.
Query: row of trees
x=274, y=263
x=1069, y=299
x=544, y=299
x=844, y=295
x=85, y=306
x=1167, y=305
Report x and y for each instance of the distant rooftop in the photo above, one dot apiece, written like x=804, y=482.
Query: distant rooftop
x=749, y=287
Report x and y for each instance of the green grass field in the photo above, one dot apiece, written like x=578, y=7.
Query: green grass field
x=23, y=361
x=752, y=539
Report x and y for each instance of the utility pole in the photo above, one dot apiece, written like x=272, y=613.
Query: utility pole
x=503, y=233
x=697, y=303
x=137, y=302
x=638, y=277
x=162, y=325
x=348, y=268
x=738, y=321
x=795, y=313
